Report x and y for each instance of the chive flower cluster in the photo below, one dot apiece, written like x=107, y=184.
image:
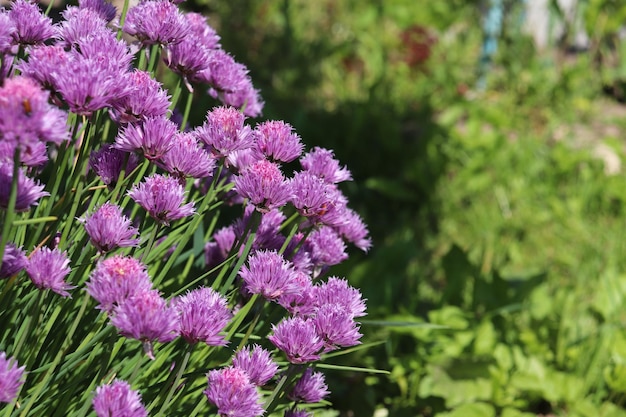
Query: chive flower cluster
x=141, y=257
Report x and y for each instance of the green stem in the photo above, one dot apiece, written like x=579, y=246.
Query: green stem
x=10, y=210
x=187, y=110
x=123, y=18
x=176, y=381
x=155, y=231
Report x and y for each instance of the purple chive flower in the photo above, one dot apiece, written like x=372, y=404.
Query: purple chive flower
x=117, y=399
x=269, y=274
x=310, y=388
x=43, y=63
x=336, y=327
x=297, y=337
x=113, y=54
x=146, y=317
x=322, y=163
x=337, y=291
x=325, y=247
x=108, y=163
x=202, y=31
x=303, y=301
x=33, y=155
x=28, y=191
x=156, y=22
x=116, y=279
x=26, y=117
x=224, y=131
x=146, y=99
x=243, y=158
x=190, y=57
x=257, y=363
x=232, y=85
x=203, y=315
x=232, y=392
x=10, y=378
x=152, y=138
x=47, y=269
x=108, y=228
x=264, y=185
x=80, y=23
x=106, y=10
x=13, y=261
x=311, y=196
x=216, y=252
x=278, y=141
x=162, y=197
x=88, y=84
x=354, y=230
x=186, y=158
x=33, y=27
x=7, y=31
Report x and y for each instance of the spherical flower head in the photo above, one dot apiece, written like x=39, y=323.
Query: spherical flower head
x=232, y=392
x=298, y=339
x=108, y=163
x=28, y=191
x=152, y=138
x=277, y=141
x=224, y=131
x=202, y=31
x=13, y=261
x=116, y=279
x=108, y=228
x=217, y=250
x=190, y=59
x=354, y=229
x=146, y=317
x=80, y=23
x=156, y=22
x=337, y=291
x=204, y=313
x=246, y=98
x=322, y=163
x=325, y=247
x=146, y=99
x=336, y=327
x=10, y=378
x=162, y=197
x=7, y=31
x=33, y=27
x=27, y=118
x=311, y=196
x=47, y=269
x=269, y=274
x=310, y=388
x=186, y=158
x=88, y=84
x=43, y=63
x=264, y=185
x=118, y=399
x=105, y=9
x=303, y=301
x=257, y=363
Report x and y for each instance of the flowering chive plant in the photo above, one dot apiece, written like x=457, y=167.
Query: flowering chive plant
x=124, y=289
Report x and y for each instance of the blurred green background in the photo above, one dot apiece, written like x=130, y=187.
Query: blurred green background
x=491, y=181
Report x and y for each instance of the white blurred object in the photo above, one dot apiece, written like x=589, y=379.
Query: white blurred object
x=546, y=28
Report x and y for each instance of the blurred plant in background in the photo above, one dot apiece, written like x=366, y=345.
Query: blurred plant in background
x=497, y=277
